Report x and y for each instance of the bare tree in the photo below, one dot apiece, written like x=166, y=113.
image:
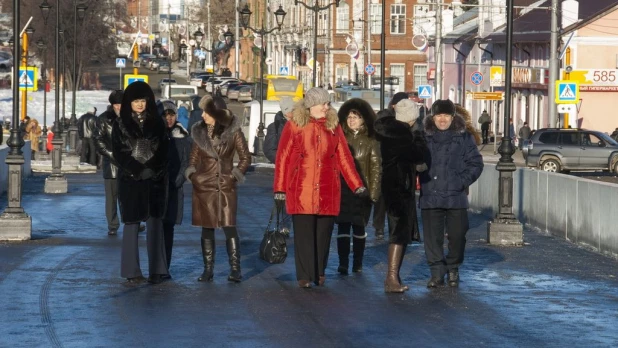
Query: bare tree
x=222, y=13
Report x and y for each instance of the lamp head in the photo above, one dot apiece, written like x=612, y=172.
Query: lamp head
x=280, y=16
x=45, y=8
x=245, y=16
x=198, y=35
x=81, y=10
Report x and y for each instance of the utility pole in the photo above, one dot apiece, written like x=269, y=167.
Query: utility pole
x=210, y=37
x=236, y=41
x=438, y=52
x=383, y=56
x=368, y=41
x=553, y=66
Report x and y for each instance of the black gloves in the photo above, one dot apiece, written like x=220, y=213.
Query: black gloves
x=146, y=174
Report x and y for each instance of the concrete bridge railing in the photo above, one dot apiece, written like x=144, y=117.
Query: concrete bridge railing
x=4, y=168
x=580, y=210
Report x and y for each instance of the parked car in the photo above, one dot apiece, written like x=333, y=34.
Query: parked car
x=200, y=80
x=145, y=59
x=164, y=67
x=566, y=149
x=166, y=81
x=233, y=91
x=154, y=64
x=216, y=80
x=244, y=94
x=225, y=85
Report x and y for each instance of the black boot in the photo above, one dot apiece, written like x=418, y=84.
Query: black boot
x=233, y=253
x=453, y=277
x=208, y=253
x=358, y=249
x=343, y=249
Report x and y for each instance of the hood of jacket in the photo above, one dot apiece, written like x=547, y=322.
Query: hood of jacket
x=366, y=111
x=199, y=133
x=195, y=100
x=301, y=116
x=458, y=125
x=140, y=90
x=178, y=131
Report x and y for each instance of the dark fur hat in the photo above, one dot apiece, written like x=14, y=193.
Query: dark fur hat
x=116, y=97
x=221, y=116
x=365, y=110
x=443, y=106
x=138, y=90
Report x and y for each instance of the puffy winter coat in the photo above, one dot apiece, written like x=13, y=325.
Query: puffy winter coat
x=212, y=172
x=103, y=143
x=312, y=154
x=273, y=134
x=454, y=163
x=138, y=146
x=86, y=125
x=366, y=151
x=179, y=151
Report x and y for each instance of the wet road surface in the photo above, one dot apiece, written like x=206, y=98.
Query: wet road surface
x=63, y=289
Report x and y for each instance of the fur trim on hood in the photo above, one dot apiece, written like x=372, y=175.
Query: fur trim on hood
x=458, y=125
x=461, y=111
x=200, y=136
x=301, y=116
x=178, y=131
x=221, y=116
x=365, y=110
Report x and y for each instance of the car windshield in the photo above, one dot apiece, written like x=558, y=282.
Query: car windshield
x=285, y=85
x=168, y=81
x=607, y=138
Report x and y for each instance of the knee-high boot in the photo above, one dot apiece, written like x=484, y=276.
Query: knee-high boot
x=358, y=249
x=233, y=253
x=395, y=254
x=403, y=253
x=208, y=253
x=343, y=250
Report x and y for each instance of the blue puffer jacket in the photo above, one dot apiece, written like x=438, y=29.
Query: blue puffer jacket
x=454, y=164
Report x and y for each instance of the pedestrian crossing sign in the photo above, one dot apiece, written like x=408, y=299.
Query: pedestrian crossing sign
x=424, y=91
x=130, y=78
x=567, y=92
x=284, y=70
x=27, y=78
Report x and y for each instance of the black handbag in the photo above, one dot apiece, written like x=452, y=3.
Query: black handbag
x=273, y=248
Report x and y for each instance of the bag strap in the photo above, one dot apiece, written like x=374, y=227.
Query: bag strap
x=276, y=211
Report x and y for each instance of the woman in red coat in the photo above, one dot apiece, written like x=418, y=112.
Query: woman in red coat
x=312, y=155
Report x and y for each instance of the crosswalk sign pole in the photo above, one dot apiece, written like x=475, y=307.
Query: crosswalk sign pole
x=120, y=80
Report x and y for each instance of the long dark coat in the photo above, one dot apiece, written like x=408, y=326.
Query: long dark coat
x=103, y=143
x=212, y=172
x=137, y=147
x=366, y=151
x=180, y=149
x=401, y=149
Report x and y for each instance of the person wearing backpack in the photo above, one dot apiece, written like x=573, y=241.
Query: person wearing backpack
x=273, y=132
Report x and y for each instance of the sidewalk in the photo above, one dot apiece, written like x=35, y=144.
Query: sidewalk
x=63, y=289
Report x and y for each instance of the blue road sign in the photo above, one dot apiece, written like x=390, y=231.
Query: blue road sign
x=27, y=78
x=567, y=92
x=284, y=70
x=476, y=78
x=121, y=62
x=424, y=91
x=370, y=69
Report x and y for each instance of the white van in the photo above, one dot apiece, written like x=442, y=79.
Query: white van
x=178, y=91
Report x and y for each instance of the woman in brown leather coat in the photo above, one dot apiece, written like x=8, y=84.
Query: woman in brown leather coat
x=356, y=117
x=211, y=171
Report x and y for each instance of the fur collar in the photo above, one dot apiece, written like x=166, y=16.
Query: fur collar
x=365, y=110
x=153, y=127
x=178, y=131
x=458, y=125
x=199, y=133
x=301, y=117
x=389, y=127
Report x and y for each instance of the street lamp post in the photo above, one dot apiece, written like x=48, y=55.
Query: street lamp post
x=42, y=49
x=316, y=8
x=245, y=15
x=79, y=10
x=56, y=182
x=505, y=228
x=15, y=224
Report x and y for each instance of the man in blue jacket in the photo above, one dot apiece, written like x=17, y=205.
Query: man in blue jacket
x=454, y=163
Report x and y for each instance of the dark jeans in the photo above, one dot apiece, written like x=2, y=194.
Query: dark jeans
x=89, y=153
x=111, y=204
x=312, y=234
x=485, y=135
x=168, y=238
x=436, y=222
x=129, y=259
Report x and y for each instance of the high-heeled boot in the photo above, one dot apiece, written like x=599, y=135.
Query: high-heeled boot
x=358, y=250
x=392, y=284
x=403, y=254
x=208, y=253
x=233, y=253
x=343, y=250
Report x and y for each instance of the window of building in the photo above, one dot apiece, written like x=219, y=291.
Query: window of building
x=399, y=70
x=420, y=75
x=375, y=17
x=343, y=18
x=342, y=72
x=398, y=19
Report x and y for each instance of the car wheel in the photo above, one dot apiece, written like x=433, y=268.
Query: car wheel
x=551, y=165
x=616, y=168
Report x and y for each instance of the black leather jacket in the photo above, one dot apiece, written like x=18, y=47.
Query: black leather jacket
x=86, y=125
x=103, y=143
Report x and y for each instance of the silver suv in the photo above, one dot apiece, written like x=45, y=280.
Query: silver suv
x=557, y=150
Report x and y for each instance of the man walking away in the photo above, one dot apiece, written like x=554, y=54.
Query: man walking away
x=274, y=130
x=485, y=121
x=524, y=134
x=86, y=128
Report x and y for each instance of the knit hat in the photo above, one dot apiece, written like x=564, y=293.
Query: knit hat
x=286, y=104
x=399, y=96
x=443, y=106
x=406, y=111
x=116, y=96
x=316, y=96
x=169, y=105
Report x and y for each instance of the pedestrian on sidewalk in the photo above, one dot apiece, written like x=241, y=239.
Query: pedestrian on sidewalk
x=312, y=154
x=274, y=130
x=216, y=139
x=485, y=122
x=180, y=149
x=403, y=151
x=140, y=147
x=454, y=164
x=524, y=134
x=357, y=117
x=33, y=133
x=86, y=126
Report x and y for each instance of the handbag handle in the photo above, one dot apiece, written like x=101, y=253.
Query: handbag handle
x=276, y=211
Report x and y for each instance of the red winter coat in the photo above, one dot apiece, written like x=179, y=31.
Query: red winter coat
x=311, y=157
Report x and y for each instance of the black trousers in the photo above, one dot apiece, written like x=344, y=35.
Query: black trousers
x=129, y=259
x=435, y=223
x=485, y=135
x=168, y=238
x=379, y=214
x=89, y=153
x=312, y=234
x=111, y=204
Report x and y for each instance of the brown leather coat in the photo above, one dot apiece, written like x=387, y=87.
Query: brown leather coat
x=213, y=175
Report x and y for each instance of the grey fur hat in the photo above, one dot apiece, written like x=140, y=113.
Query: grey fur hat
x=406, y=111
x=169, y=105
x=316, y=96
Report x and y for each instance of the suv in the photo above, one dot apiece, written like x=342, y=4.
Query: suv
x=557, y=150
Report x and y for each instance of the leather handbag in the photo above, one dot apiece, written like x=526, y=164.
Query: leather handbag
x=273, y=248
